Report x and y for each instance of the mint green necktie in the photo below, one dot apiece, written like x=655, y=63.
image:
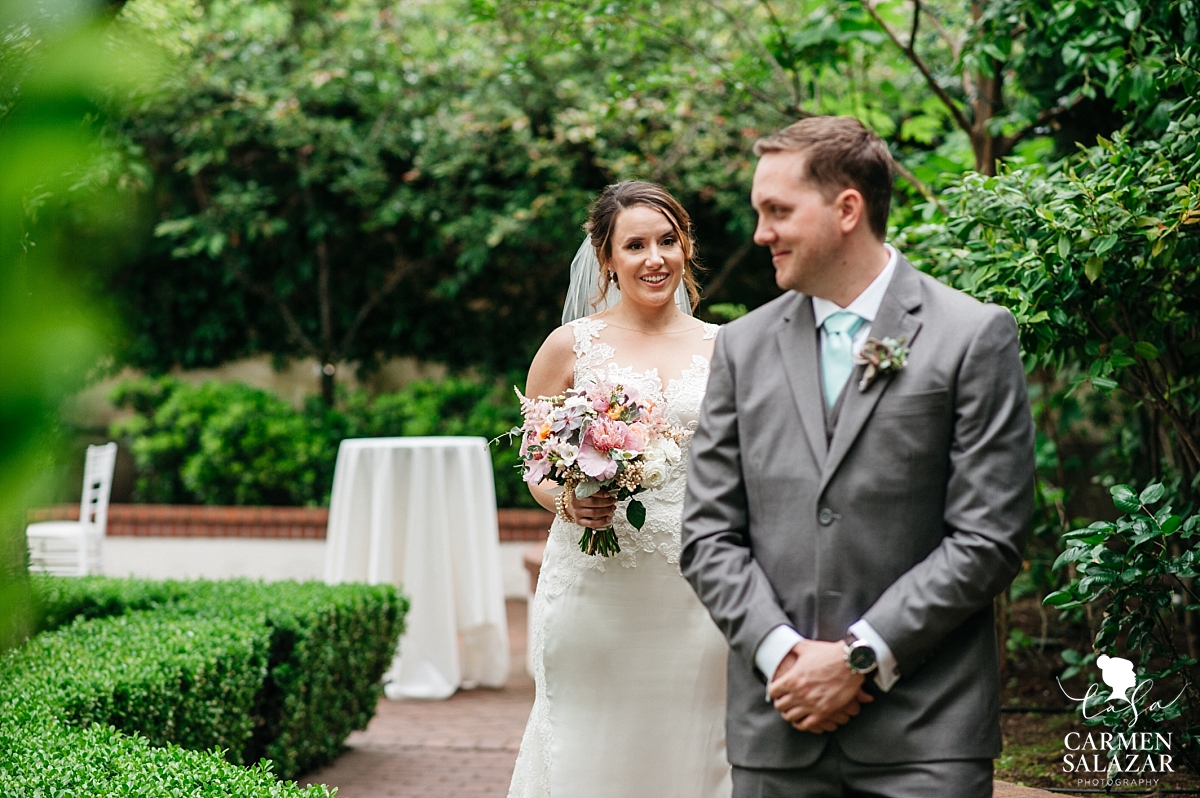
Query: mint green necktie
x=837, y=355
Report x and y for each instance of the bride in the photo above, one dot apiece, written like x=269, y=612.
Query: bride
x=629, y=668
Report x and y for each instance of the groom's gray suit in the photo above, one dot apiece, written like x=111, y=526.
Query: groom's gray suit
x=907, y=506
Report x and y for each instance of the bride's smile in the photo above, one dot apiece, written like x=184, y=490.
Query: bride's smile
x=647, y=259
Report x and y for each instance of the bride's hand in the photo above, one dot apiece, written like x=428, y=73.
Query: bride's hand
x=596, y=511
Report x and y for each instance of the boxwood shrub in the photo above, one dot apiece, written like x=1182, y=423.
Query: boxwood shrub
x=139, y=687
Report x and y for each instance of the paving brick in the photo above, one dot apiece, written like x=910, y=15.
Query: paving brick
x=464, y=746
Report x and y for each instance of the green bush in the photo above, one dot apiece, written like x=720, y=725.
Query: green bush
x=218, y=443
x=188, y=681
x=281, y=672
x=229, y=443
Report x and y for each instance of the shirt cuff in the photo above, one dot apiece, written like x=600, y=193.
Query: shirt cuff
x=774, y=648
x=888, y=671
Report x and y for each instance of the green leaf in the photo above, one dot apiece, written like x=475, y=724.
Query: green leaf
x=1059, y=598
x=1146, y=350
x=1153, y=493
x=636, y=513
x=1131, y=575
x=1091, y=268
x=1119, y=361
x=1104, y=383
x=1068, y=556
x=1170, y=524
x=1064, y=246
x=1145, y=531
x=1124, y=498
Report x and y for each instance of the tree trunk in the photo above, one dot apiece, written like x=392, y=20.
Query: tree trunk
x=1000, y=608
x=328, y=371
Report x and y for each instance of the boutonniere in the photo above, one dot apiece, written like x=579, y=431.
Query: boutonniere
x=880, y=357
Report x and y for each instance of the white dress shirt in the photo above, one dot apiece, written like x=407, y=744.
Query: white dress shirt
x=780, y=640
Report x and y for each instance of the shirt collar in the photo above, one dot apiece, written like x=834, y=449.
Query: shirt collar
x=865, y=305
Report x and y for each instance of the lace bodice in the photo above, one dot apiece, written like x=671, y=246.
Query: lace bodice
x=680, y=398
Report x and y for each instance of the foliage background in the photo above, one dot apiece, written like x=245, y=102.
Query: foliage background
x=229, y=443
x=354, y=180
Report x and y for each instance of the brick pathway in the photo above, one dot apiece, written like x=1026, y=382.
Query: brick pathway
x=464, y=746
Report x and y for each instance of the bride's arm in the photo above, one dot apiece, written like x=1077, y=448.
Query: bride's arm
x=551, y=373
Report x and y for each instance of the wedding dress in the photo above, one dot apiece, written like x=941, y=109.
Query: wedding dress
x=629, y=667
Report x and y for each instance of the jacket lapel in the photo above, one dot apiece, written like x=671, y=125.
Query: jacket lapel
x=894, y=320
x=797, y=338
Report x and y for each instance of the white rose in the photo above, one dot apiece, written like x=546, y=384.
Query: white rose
x=654, y=474
x=671, y=450
x=653, y=454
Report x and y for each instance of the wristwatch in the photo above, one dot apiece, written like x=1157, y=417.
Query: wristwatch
x=859, y=656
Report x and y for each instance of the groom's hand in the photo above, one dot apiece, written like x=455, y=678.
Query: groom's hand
x=814, y=690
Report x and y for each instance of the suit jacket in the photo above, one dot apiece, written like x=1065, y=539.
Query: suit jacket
x=913, y=516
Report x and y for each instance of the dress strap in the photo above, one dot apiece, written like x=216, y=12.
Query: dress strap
x=587, y=353
x=586, y=331
x=711, y=330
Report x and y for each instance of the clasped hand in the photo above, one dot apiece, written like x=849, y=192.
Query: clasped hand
x=595, y=511
x=814, y=690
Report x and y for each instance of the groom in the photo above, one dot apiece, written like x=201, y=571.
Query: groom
x=848, y=531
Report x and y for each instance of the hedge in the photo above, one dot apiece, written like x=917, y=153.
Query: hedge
x=162, y=688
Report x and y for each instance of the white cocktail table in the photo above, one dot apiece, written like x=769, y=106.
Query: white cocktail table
x=420, y=513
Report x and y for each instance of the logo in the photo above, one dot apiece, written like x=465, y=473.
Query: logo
x=1125, y=758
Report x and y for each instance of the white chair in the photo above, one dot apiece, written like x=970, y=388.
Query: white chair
x=76, y=548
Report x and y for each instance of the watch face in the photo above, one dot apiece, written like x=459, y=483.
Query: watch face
x=861, y=657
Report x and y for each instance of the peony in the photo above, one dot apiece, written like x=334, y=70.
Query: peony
x=596, y=463
x=606, y=434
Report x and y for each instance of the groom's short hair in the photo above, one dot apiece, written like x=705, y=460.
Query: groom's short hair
x=841, y=153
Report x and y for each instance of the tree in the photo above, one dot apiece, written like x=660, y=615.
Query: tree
x=424, y=196
x=281, y=146
x=1028, y=67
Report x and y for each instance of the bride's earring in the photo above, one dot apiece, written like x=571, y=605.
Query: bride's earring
x=612, y=278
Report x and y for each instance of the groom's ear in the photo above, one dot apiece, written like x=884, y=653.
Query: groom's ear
x=850, y=210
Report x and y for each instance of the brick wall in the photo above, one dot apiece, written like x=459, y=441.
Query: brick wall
x=297, y=523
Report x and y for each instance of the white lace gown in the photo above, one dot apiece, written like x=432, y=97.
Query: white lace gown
x=629, y=667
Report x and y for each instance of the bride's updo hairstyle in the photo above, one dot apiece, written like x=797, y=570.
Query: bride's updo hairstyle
x=602, y=221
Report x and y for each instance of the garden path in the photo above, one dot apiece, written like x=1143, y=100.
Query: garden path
x=464, y=746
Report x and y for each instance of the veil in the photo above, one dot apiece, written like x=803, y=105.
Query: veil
x=585, y=287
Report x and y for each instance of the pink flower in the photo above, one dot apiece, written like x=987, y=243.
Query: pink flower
x=600, y=403
x=537, y=469
x=607, y=434
x=636, y=438
x=595, y=463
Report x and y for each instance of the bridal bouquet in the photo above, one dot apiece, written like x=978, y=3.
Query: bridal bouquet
x=599, y=437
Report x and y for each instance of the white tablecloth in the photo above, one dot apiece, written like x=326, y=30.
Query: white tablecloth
x=420, y=513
